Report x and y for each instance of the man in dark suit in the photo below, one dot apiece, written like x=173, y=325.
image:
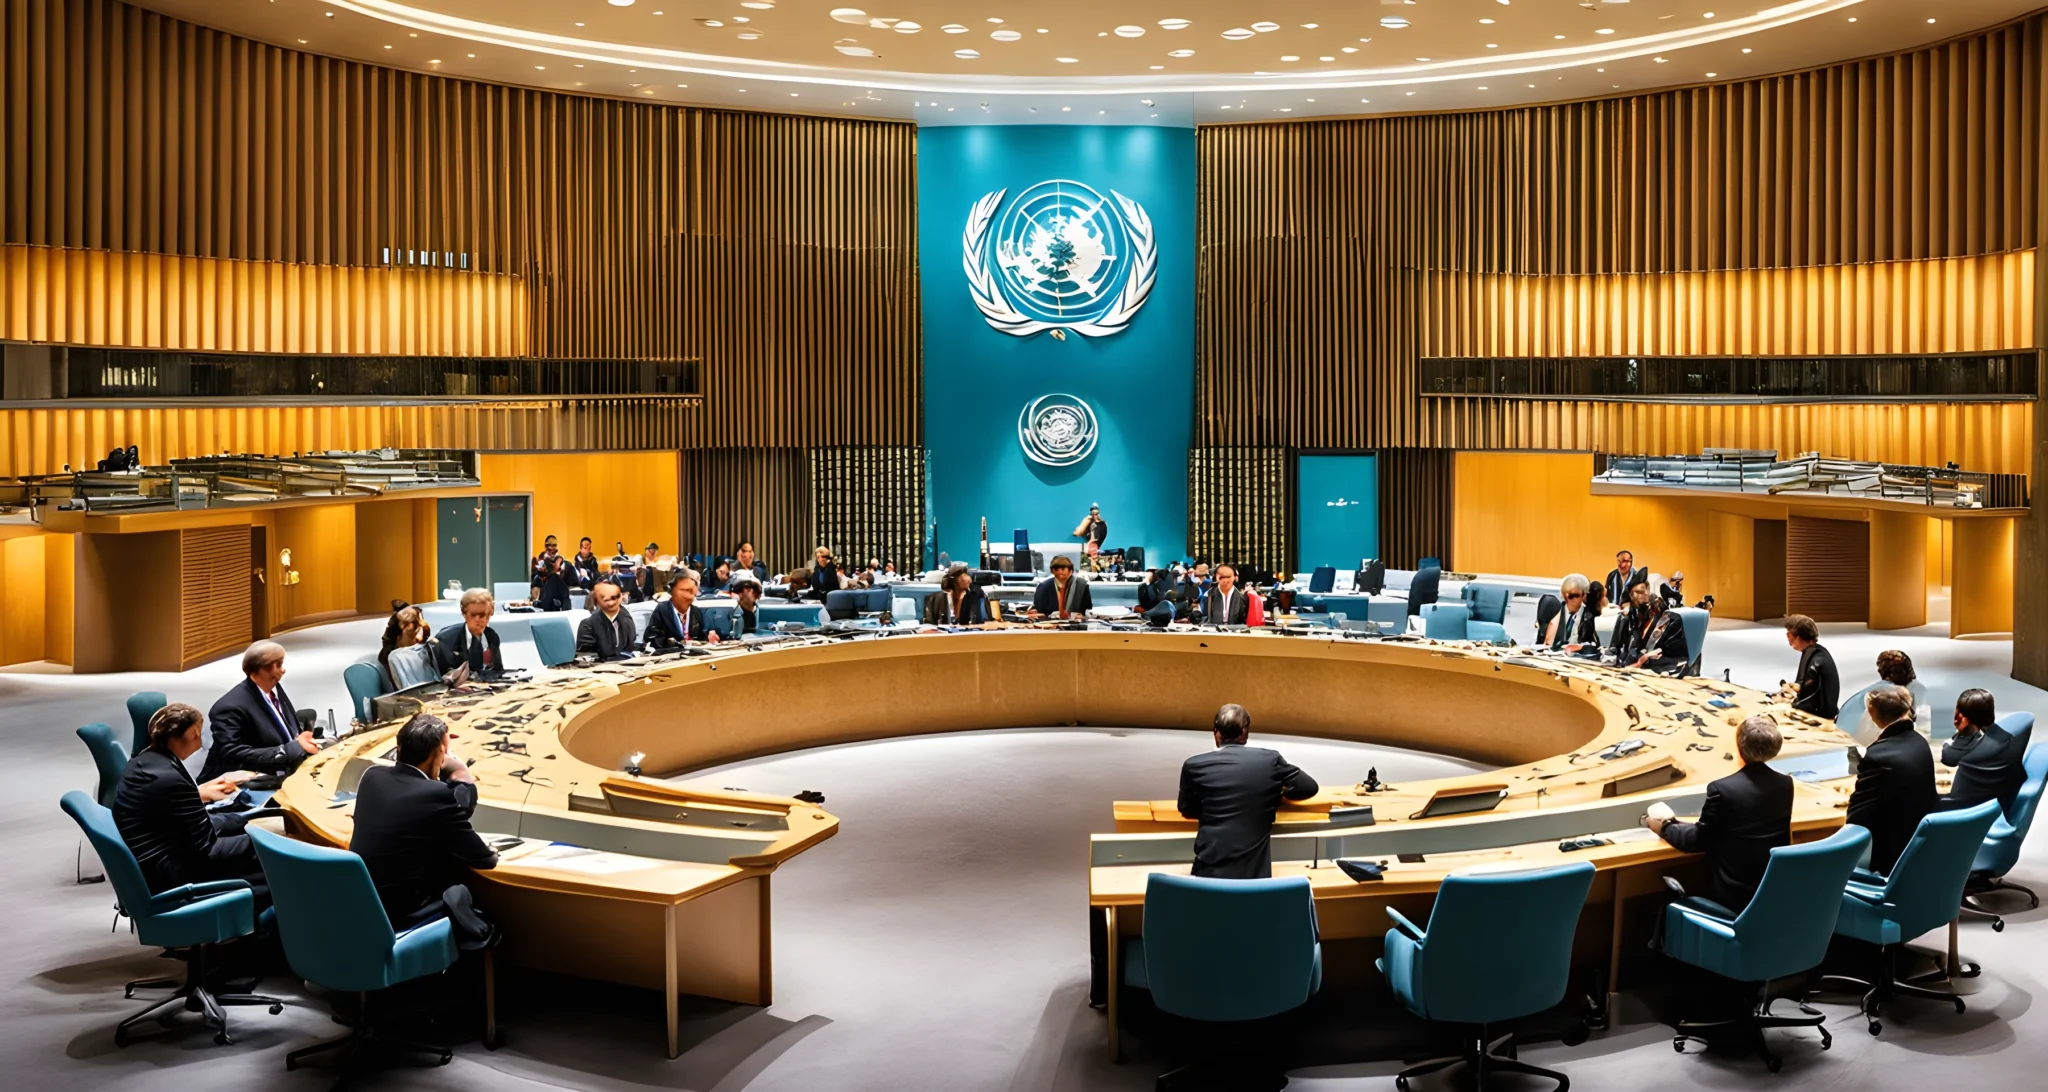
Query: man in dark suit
x=680, y=617
x=1673, y=592
x=161, y=812
x=1820, y=685
x=1895, y=779
x=412, y=832
x=583, y=567
x=957, y=602
x=1225, y=604
x=1061, y=595
x=1746, y=815
x=255, y=726
x=1193, y=585
x=1624, y=576
x=1573, y=629
x=1233, y=792
x=646, y=581
x=1987, y=759
x=607, y=632
x=471, y=641
x=550, y=577
x=746, y=592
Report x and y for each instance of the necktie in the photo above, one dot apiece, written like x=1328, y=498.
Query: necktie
x=1061, y=589
x=277, y=707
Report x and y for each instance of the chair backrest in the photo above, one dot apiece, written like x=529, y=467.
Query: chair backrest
x=2029, y=800
x=1489, y=602
x=1445, y=621
x=808, y=614
x=845, y=603
x=1499, y=945
x=554, y=639
x=1323, y=579
x=333, y=927
x=143, y=705
x=131, y=890
x=2020, y=726
x=1695, y=622
x=108, y=757
x=1229, y=949
x=413, y=665
x=1849, y=718
x=1786, y=927
x=879, y=599
x=1422, y=589
x=1428, y=563
x=510, y=591
x=364, y=683
x=1547, y=607
x=719, y=620
x=1926, y=885
x=1372, y=579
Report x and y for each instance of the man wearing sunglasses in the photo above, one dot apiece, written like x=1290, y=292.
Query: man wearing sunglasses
x=1572, y=630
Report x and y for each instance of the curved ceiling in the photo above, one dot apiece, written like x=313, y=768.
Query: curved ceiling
x=1169, y=62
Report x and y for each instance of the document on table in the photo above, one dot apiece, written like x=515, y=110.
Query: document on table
x=564, y=857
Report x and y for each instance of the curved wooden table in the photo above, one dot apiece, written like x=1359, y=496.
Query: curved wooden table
x=635, y=880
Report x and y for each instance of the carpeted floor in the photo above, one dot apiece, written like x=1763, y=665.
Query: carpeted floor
x=938, y=943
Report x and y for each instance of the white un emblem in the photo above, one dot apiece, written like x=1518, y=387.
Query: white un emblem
x=1059, y=257
x=1057, y=430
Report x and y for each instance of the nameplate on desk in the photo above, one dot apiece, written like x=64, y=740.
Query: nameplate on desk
x=1656, y=777
x=1462, y=800
x=1359, y=816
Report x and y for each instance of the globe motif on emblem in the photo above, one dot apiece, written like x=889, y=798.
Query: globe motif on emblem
x=1059, y=256
x=1057, y=430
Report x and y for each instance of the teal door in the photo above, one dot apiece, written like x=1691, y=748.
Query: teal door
x=505, y=527
x=1337, y=511
x=481, y=541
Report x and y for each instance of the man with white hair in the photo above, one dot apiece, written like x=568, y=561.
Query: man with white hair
x=255, y=726
x=1572, y=628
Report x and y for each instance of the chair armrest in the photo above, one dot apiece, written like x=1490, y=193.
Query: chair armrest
x=1865, y=892
x=1672, y=885
x=191, y=892
x=1406, y=926
x=1711, y=924
x=1867, y=878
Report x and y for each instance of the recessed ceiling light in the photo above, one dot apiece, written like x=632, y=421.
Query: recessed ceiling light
x=1310, y=26
x=1708, y=15
x=1711, y=75
x=579, y=24
x=1173, y=24
x=1237, y=34
x=1493, y=45
x=472, y=56
x=966, y=54
x=1101, y=112
x=1181, y=53
x=436, y=60
x=1066, y=109
x=1287, y=109
x=711, y=22
x=1157, y=67
x=742, y=19
x=1411, y=92
x=792, y=94
x=954, y=28
x=1005, y=35
x=622, y=3
x=1604, y=30
x=1930, y=20
x=1289, y=58
x=1068, y=60
x=1326, y=60
x=852, y=48
x=758, y=5
x=1270, y=27
x=1488, y=22
x=907, y=27
x=1393, y=22
x=1128, y=31
x=850, y=15
x=995, y=19
x=1745, y=49
x=1482, y=87
x=1424, y=60
x=1365, y=100
x=540, y=68
x=1557, y=37
x=1659, y=60
x=387, y=47
x=1852, y=18
x=749, y=35
x=1349, y=49
x=1223, y=107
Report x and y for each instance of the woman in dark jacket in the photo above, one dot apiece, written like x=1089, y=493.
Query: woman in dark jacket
x=958, y=602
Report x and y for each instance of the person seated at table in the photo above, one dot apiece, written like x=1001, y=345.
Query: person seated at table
x=583, y=572
x=1061, y=595
x=743, y=561
x=1572, y=630
x=472, y=641
x=1894, y=780
x=412, y=832
x=1819, y=684
x=1224, y=603
x=646, y=582
x=1673, y=591
x=957, y=602
x=255, y=725
x=1624, y=576
x=679, y=620
x=1746, y=815
x=825, y=577
x=1194, y=583
x=406, y=629
x=747, y=592
x=719, y=578
x=1159, y=597
x=550, y=578
x=162, y=815
x=607, y=632
x=1986, y=758
x=1896, y=668
x=1628, y=625
x=1658, y=643
x=1232, y=794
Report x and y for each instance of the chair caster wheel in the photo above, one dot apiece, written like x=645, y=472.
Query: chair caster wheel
x=275, y=1009
x=1969, y=970
x=1960, y=1008
x=121, y=1038
x=1677, y=1046
x=1774, y=1064
x=1875, y=1027
x=220, y=1038
x=1998, y=925
x=1401, y=1083
x=1827, y=1042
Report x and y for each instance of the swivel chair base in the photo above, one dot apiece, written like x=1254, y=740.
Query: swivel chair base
x=1198, y=1077
x=1483, y=1056
x=1973, y=899
x=363, y=1036
x=1889, y=985
x=1753, y=1024
x=191, y=996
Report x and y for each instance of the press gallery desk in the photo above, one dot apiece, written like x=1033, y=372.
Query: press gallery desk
x=634, y=879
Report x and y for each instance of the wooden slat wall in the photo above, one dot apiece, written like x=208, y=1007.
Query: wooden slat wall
x=1230, y=513
x=762, y=496
x=1827, y=569
x=1417, y=500
x=870, y=503
x=780, y=250
x=214, y=610
x=1328, y=248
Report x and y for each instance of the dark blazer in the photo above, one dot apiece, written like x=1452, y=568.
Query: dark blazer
x=1672, y=596
x=745, y=621
x=583, y=572
x=938, y=609
x=825, y=579
x=597, y=636
x=247, y=735
x=1233, y=793
x=167, y=827
x=1219, y=613
x=666, y=626
x=456, y=647
x=550, y=582
x=1154, y=592
x=1665, y=642
x=413, y=834
x=1894, y=791
x=1582, y=633
x=1988, y=766
x=646, y=583
x=1617, y=591
x=1047, y=598
x=1820, y=685
x=1747, y=814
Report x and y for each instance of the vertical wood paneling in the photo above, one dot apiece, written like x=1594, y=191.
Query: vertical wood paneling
x=1417, y=497
x=760, y=496
x=1827, y=569
x=1231, y=516
x=214, y=610
x=870, y=503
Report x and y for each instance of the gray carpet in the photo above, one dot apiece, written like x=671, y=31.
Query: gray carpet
x=938, y=943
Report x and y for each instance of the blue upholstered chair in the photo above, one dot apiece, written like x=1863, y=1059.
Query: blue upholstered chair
x=554, y=638
x=1428, y=563
x=1695, y=621
x=719, y=620
x=143, y=705
x=1921, y=894
x=844, y=603
x=337, y=936
x=1422, y=589
x=1445, y=621
x=188, y=921
x=109, y=759
x=1783, y=931
x=511, y=591
x=365, y=683
x=1489, y=602
x=1498, y=948
x=801, y=614
x=2001, y=848
x=1226, y=951
x=1323, y=579
x=412, y=666
x=876, y=600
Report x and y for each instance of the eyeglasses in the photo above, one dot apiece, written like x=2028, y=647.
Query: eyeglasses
x=1574, y=595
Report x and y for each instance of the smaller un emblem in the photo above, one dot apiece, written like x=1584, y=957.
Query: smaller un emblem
x=1057, y=430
